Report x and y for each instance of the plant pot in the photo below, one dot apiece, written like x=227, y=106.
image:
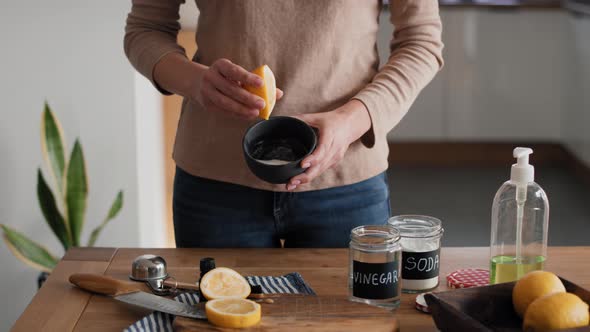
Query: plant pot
x=41, y=279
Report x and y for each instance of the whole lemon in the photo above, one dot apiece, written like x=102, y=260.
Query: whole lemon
x=532, y=286
x=555, y=312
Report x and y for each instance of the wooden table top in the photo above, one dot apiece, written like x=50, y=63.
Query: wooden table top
x=58, y=306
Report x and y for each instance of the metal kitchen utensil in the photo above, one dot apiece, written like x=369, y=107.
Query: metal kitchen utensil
x=151, y=269
x=148, y=267
x=131, y=293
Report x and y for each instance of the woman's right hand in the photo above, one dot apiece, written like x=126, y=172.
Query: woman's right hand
x=220, y=89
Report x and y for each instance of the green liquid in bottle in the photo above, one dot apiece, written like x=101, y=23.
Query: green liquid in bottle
x=507, y=269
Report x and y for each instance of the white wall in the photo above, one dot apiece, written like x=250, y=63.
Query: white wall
x=189, y=15
x=150, y=164
x=70, y=53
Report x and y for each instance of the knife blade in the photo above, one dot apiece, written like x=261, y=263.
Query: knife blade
x=131, y=293
x=153, y=302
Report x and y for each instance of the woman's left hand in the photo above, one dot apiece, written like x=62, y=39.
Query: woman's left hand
x=337, y=130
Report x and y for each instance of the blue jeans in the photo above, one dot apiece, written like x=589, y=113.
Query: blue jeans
x=215, y=214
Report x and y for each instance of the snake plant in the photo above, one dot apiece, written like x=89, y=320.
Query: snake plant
x=64, y=207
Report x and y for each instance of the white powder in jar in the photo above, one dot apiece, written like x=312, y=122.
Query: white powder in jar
x=419, y=245
x=419, y=285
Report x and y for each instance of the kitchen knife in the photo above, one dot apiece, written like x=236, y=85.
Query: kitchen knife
x=132, y=293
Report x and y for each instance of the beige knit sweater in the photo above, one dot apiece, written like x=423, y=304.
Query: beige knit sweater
x=323, y=53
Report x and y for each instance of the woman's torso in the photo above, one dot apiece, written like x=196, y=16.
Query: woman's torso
x=321, y=52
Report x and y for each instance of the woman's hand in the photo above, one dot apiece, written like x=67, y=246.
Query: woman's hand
x=337, y=130
x=221, y=90
x=219, y=87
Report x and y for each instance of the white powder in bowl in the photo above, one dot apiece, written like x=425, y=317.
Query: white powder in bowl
x=273, y=162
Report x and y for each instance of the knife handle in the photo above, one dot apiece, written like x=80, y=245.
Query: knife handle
x=171, y=282
x=103, y=285
x=274, y=295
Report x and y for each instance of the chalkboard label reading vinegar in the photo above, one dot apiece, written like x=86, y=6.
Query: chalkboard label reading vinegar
x=375, y=281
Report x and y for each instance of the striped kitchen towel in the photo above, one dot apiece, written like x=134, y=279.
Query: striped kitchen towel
x=162, y=322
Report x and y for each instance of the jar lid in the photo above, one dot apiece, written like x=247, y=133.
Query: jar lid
x=466, y=278
x=374, y=235
x=417, y=226
x=421, y=304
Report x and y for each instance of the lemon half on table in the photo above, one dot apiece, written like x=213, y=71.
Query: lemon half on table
x=223, y=282
x=233, y=312
x=268, y=91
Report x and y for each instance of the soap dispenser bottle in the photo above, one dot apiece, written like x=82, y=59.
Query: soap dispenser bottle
x=520, y=219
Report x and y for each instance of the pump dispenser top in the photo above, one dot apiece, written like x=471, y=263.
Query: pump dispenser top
x=522, y=172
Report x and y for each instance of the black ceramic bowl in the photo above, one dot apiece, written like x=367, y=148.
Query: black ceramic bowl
x=280, y=133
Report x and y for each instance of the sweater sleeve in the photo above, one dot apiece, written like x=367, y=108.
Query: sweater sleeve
x=416, y=56
x=150, y=33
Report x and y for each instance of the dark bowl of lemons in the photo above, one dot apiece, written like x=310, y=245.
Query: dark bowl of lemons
x=539, y=301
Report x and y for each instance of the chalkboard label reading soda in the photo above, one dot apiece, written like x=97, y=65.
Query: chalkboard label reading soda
x=375, y=280
x=420, y=265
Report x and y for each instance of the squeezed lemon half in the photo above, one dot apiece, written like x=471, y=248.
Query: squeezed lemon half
x=268, y=91
x=233, y=312
x=224, y=283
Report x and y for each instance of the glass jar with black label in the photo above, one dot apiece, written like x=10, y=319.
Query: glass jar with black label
x=420, y=240
x=375, y=262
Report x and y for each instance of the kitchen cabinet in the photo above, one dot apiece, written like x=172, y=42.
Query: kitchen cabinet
x=577, y=111
x=426, y=119
x=502, y=81
x=506, y=75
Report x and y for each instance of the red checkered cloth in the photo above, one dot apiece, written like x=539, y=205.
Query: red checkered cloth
x=466, y=278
